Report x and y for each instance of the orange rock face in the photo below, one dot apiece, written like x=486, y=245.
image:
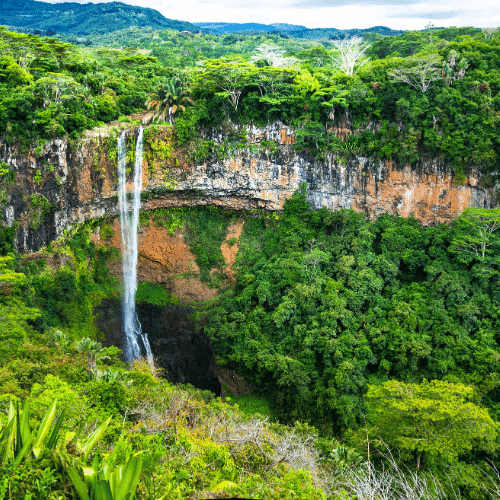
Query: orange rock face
x=229, y=247
x=83, y=184
x=430, y=195
x=166, y=259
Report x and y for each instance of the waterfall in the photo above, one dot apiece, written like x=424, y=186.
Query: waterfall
x=129, y=220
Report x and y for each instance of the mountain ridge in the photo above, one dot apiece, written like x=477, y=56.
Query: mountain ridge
x=83, y=19
x=231, y=27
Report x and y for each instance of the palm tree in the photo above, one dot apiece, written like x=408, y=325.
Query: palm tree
x=94, y=352
x=448, y=74
x=166, y=101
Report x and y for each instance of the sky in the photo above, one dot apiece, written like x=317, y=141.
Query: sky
x=341, y=14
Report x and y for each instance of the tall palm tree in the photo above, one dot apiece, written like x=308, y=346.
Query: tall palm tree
x=166, y=101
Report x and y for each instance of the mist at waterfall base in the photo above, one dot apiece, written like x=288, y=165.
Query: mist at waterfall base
x=136, y=342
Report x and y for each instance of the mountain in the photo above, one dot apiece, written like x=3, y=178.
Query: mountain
x=231, y=27
x=296, y=31
x=83, y=19
x=334, y=33
x=73, y=18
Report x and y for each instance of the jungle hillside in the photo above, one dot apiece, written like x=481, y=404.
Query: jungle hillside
x=371, y=346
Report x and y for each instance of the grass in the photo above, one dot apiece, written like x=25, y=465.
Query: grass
x=153, y=293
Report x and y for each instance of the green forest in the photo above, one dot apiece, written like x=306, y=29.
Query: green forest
x=372, y=346
x=413, y=96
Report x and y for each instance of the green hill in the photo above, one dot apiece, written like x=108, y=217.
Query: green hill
x=83, y=19
x=232, y=27
x=334, y=33
x=296, y=31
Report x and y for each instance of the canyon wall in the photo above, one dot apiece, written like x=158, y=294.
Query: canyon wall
x=65, y=183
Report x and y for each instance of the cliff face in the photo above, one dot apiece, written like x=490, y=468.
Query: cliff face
x=79, y=180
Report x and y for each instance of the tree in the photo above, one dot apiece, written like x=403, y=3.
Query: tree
x=270, y=79
x=429, y=27
x=8, y=277
x=273, y=56
x=93, y=351
x=462, y=68
x=166, y=101
x=489, y=32
x=348, y=54
x=12, y=74
x=56, y=88
x=449, y=68
x=229, y=76
x=434, y=419
x=333, y=98
x=26, y=49
x=15, y=316
x=420, y=75
x=476, y=234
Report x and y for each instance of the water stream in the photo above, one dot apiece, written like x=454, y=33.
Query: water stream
x=136, y=342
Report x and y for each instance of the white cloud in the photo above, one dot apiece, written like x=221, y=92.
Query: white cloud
x=342, y=14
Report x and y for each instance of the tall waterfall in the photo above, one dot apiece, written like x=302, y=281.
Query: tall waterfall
x=129, y=220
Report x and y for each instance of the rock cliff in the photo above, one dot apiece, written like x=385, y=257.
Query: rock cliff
x=63, y=183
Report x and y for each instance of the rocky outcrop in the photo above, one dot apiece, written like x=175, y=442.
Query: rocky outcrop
x=167, y=260
x=80, y=181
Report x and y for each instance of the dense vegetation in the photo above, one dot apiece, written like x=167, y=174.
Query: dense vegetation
x=48, y=88
x=328, y=304
x=51, y=88
x=83, y=19
x=337, y=321
x=453, y=117
x=182, y=439
x=231, y=27
x=294, y=30
x=383, y=335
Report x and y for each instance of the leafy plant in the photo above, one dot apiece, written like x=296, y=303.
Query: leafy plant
x=19, y=442
x=38, y=179
x=107, y=482
x=7, y=175
x=93, y=351
x=39, y=206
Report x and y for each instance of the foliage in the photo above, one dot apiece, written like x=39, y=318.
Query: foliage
x=44, y=392
x=113, y=483
x=39, y=206
x=85, y=19
x=477, y=237
x=328, y=302
x=348, y=55
x=7, y=175
x=15, y=314
x=447, y=109
x=271, y=55
x=420, y=75
x=432, y=419
x=50, y=88
x=27, y=451
x=19, y=441
x=166, y=101
x=337, y=320
x=153, y=293
x=93, y=351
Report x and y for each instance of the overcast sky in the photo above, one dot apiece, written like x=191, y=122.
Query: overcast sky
x=343, y=14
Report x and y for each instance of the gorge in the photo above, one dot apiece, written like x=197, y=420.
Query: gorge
x=85, y=181
x=79, y=181
x=309, y=250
